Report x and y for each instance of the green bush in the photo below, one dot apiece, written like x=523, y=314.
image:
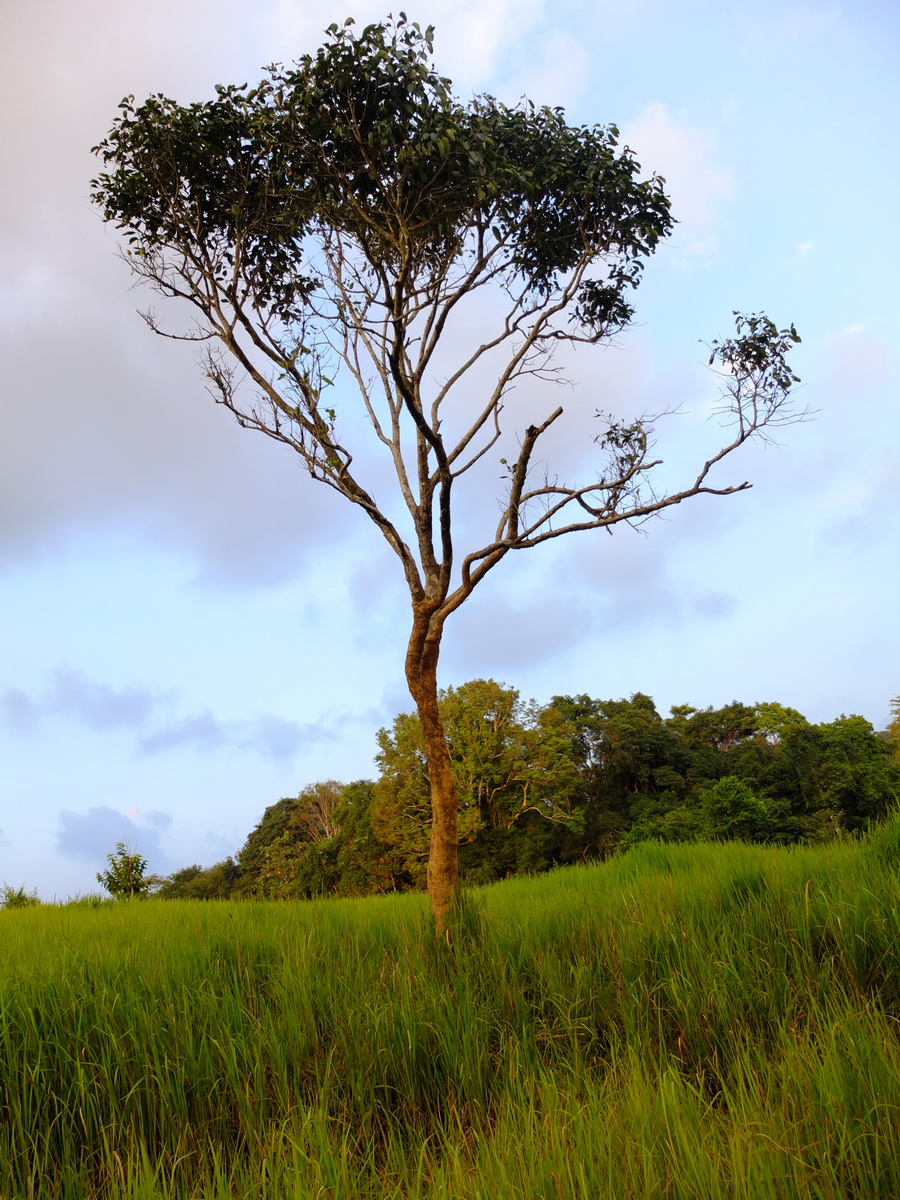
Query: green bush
x=126, y=875
x=11, y=897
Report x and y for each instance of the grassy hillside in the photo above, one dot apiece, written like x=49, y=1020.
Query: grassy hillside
x=686, y=1021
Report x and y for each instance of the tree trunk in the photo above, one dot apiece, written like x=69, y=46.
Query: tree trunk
x=443, y=857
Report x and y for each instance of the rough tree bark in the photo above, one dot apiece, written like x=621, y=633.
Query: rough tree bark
x=422, y=657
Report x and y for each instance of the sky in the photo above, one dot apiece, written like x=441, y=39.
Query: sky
x=192, y=629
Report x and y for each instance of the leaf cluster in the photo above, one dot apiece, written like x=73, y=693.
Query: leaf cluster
x=755, y=367
x=364, y=140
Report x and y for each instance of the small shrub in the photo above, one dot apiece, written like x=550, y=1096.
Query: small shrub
x=11, y=897
x=126, y=875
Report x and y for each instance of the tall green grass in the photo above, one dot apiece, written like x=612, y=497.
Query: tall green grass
x=685, y=1021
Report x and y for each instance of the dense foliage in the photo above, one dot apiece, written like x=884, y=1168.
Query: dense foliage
x=564, y=782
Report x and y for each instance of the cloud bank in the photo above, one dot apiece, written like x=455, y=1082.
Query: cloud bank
x=90, y=836
x=148, y=715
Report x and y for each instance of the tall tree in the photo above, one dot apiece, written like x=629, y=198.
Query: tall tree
x=892, y=733
x=630, y=760
x=345, y=213
x=509, y=759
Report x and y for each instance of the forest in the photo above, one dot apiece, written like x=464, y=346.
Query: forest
x=570, y=781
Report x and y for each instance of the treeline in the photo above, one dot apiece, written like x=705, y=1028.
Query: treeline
x=576, y=779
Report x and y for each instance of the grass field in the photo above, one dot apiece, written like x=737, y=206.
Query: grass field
x=684, y=1021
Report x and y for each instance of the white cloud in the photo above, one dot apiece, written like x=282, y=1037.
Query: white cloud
x=90, y=836
x=70, y=694
x=682, y=155
x=277, y=738
x=201, y=732
x=268, y=735
x=555, y=72
x=99, y=705
x=804, y=248
x=471, y=36
x=502, y=630
x=105, y=426
x=103, y=708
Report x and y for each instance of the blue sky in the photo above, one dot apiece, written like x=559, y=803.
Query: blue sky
x=191, y=629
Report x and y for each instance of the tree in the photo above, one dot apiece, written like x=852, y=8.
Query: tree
x=271, y=852
x=200, y=883
x=316, y=816
x=730, y=810
x=364, y=863
x=720, y=729
x=252, y=856
x=17, y=897
x=348, y=212
x=892, y=733
x=632, y=765
x=842, y=768
x=510, y=760
x=126, y=874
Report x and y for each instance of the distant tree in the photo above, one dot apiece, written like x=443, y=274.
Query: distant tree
x=816, y=781
x=682, y=822
x=842, y=768
x=632, y=765
x=730, y=810
x=200, y=883
x=252, y=856
x=773, y=720
x=892, y=733
x=270, y=860
x=12, y=897
x=126, y=875
x=720, y=728
x=316, y=815
x=277, y=877
x=365, y=862
x=349, y=212
x=510, y=761
x=541, y=785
